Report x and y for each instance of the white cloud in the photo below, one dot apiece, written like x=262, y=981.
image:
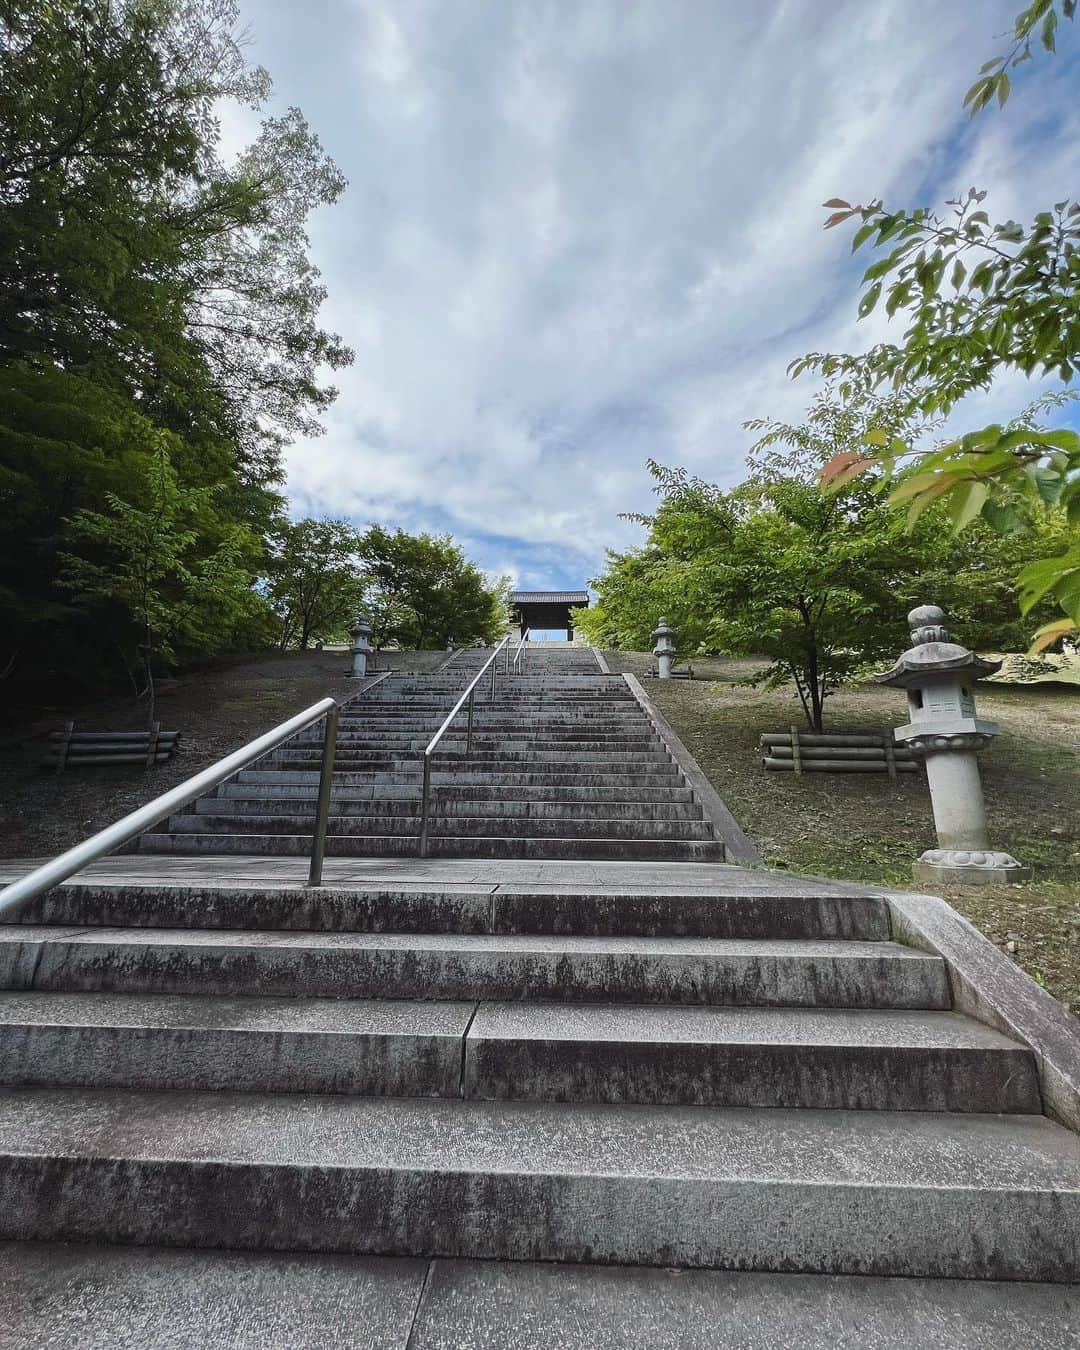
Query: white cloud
x=580, y=234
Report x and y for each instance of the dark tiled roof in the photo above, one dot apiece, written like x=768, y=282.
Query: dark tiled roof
x=549, y=597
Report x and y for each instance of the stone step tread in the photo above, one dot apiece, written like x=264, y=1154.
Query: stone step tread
x=188, y=1042
x=629, y=1024
x=719, y=1057
x=413, y=773
x=521, y=944
x=253, y=1014
x=901, y=1150
x=417, y=907
x=666, y=1025
x=549, y=807
x=495, y=1305
x=464, y=792
x=625, y=970
x=443, y=845
x=860, y=1192
x=626, y=826
x=747, y=1057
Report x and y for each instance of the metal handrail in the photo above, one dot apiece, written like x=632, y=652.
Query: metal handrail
x=425, y=800
x=519, y=655
x=50, y=874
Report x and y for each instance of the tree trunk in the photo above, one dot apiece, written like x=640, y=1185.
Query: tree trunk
x=814, y=681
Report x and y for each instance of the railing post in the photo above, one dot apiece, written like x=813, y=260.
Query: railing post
x=424, y=798
x=322, y=807
x=468, y=742
x=494, y=668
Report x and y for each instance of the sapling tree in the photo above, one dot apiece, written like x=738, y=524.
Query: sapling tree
x=145, y=567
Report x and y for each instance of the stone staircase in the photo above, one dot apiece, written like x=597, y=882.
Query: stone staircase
x=735, y=1071
x=564, y=764
x=730, y=1107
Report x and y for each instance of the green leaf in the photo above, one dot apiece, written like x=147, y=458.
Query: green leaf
x=877, y=269
x=869, y=300
x=1004, y=85
x=1003, y=519
x=966, y=503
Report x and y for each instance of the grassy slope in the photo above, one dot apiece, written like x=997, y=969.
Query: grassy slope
x=865, y=827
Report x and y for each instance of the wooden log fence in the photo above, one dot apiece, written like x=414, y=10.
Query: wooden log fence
x=802, y=752
x=71, y=749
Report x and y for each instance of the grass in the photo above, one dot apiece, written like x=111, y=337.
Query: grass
x=865, y=827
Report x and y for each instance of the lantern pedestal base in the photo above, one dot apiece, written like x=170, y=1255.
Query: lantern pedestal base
x=964, y=867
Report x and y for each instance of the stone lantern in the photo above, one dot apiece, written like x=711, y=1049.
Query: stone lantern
x=939, y=677
x=664, y=650
x=361, y=647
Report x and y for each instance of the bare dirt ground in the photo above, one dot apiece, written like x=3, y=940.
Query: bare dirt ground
x=866, y=827
x=215, y=712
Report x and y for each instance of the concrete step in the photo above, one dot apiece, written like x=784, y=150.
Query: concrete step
x=831, y=1059
x=441, y=846
x=690, y=971
x=891, y=1061
x=416, y=908
x=221, y=818
x=449, y=793
x=493, y=807
x=456, y=742
x=635, y=760
x=619, y=776
x=372, y=1047
x=832, y=1192
x=489, y=1305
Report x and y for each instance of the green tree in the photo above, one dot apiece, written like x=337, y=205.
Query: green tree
x=142, y=571
x=978, y=297
x=816, y=583
x=423, y=591
x=315, y=587
x=145, y=281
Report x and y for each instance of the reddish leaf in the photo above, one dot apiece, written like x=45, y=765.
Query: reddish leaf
x=844, y=467
x=836, y=201
x=837, y=217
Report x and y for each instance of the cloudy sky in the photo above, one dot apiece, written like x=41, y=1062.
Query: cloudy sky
x=580, y=233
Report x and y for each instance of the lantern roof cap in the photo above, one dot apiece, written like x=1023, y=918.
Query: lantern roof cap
x=934, y=653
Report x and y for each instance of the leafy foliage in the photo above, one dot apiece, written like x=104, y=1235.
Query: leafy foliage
x=315, y=588
x=978, y=298
x=423, y=591
x=1040, y=21
x=148, y=287
x=143, y=560
x=816, y=583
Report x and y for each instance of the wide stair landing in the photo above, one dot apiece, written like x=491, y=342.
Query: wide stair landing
x=564, y=763
x=467, y=1065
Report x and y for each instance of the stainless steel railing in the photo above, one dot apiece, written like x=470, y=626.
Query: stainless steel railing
x=492, y=664
x=50, y=874
x=519, y=654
